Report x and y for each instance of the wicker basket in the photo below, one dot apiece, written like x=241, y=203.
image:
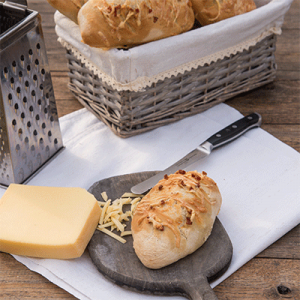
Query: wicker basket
x=130, y=113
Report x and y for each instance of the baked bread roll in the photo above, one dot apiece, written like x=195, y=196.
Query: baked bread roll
x=175, y=218
x=69, y=8
x=212, y=11
x=124, y=23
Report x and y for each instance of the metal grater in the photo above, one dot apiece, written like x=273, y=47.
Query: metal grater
x=29, y=129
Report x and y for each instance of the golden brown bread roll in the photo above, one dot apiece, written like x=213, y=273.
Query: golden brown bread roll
x=212, y=11
x=175, y=218
x=125, y=23
x=69, y=8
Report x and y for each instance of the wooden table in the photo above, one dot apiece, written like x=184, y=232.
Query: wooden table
x=275, y=272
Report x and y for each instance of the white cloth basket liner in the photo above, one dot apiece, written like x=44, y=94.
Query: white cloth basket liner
x=141, y=66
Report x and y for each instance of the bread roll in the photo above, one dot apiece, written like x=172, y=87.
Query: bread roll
x=69, y=8
x=175, y=218
x=124, y=23
x=212, y=11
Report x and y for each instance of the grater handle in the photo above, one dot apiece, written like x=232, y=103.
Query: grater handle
x=19, y=3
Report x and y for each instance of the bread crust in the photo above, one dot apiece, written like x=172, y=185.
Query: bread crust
x=175, y=218
x=212, y=11
x=125, y=23
x=69, y=8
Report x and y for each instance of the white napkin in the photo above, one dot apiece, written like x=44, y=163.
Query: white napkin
x=258, y=177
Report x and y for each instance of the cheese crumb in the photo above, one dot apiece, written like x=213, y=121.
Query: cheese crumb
x=104, y=196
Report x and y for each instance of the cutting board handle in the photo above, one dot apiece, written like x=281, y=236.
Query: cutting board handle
x=199, y=290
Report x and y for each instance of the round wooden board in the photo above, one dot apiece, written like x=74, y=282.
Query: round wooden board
x=189, y=276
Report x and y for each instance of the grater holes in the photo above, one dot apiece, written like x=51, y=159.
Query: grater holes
x=20, y=133
x=12, y=82
x=41, y=87
x=43, y=71
x=35, y=80
x=25, y=101
x=49, y=136
x=31, y=110
x=16, y=107
x=38, y=46
x=10, y=97
x=18, y=147
x=35, y=134
x=33, y=94
x=5, y=71
x=28, y=124
x=22, y=115
x=30, y=52
x=14, y=124
x=44, y=127
x=22, y=59
x=14, y=65
x=28, y=69
x=26, y=83
x=36, y=62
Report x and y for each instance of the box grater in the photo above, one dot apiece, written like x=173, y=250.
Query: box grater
x=29, y=129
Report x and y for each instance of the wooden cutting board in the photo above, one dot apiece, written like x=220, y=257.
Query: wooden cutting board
x=189, y=276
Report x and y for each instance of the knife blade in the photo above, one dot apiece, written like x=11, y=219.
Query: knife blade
x=218, y=139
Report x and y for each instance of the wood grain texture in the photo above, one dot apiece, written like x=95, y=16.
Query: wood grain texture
x=265, y=276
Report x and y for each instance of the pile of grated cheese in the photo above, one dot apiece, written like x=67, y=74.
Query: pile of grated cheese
x=113, y=216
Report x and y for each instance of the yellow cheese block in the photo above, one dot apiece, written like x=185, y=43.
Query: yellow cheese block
x=47, y=222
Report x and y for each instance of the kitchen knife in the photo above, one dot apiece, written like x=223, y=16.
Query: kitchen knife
x=220, y=138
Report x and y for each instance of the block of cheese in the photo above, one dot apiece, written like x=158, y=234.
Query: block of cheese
x=47, y=222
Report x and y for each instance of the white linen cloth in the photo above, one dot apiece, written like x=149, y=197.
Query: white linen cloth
x=139, y=67
x=258, y=177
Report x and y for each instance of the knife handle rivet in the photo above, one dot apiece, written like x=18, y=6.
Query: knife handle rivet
x=218, y=135
x=250, y=118
x=234, y=126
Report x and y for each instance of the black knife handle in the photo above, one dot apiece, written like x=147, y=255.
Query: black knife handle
x=235, y=130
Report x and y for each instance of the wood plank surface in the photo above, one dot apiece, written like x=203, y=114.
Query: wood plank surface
x=272, y=274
